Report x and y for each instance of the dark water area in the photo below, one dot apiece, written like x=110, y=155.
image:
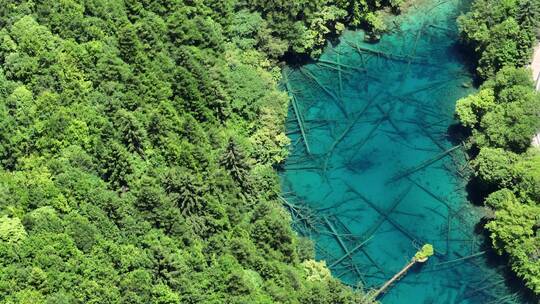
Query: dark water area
x=373, y=173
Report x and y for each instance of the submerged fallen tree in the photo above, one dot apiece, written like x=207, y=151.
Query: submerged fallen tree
x=299, y=119
x=420, y=257
x=423, y=165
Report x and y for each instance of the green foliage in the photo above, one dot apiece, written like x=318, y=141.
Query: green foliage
x=528, y=169
x=504, y=113
x=11, y=230
x=513, y=220
x=376, y=24
x=185, y=190
x=234, y=161
x=316, y=271
x=502, y=33
x=424, y=253
x=513, y=231
x=502, y=118
x=496, y=167
x=137, y=145
x=471, y=109
x=506, y=232
x=302, y=26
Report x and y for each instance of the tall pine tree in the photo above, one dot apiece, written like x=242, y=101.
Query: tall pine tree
x=235, y=162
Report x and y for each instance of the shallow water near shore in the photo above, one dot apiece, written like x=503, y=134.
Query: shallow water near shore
x=373, y=175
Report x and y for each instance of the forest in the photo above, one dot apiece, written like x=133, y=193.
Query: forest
x=501, y=119
x=138, y=146
x=139, y=142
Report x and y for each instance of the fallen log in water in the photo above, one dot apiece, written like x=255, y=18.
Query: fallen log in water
x=422, y=165
x=408, y=67
x=336, y=100
x=348, y=254
x=302, y=214
x=378, y=53
x=362, y=60
x=343, y=246
x=340, y=93
x=396, y=277
x=475, y=291
x=296, y=112
x=429, y=86
x=329, y=66
x=463, y=258
x=303, y=168
x=429, y=192
x=310, y=128
x=420, y=257
x=339, y=64
x=348, y=128
x=387, y=117
x=385, y=215
x=360, y=144
x=362, y=249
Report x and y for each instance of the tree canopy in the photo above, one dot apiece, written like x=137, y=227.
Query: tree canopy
x=501, y=33
x=502, y=118
x=138, y=140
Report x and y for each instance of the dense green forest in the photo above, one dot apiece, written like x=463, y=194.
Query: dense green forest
x=138, y=146
x=139, y=140
x=501, y=33
x=502, y=118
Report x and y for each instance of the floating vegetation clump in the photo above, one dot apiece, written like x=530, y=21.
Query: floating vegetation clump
x=372, y=175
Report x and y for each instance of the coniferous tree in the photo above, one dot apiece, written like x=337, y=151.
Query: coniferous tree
x=117, y=166
x=131, y=131
x=528, y=14
x=129, y=43
x=235, y=162
x=110, y=116
x=186, y=190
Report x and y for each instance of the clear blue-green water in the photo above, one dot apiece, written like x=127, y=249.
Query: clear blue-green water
x=375, y=178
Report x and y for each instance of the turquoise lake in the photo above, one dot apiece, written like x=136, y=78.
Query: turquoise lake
x=373, y=174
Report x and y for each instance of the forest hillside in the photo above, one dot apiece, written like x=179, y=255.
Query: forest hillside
x=138, y=145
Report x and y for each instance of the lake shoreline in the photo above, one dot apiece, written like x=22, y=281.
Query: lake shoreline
x=380, y=174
